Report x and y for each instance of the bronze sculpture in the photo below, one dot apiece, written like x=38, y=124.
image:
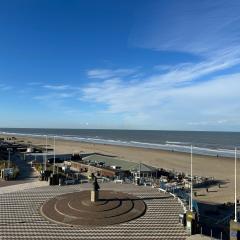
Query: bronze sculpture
x=96, y=186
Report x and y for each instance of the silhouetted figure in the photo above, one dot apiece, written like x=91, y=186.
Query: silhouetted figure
x=95, y=184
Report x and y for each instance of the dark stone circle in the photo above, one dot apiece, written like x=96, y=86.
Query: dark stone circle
x=76, y=209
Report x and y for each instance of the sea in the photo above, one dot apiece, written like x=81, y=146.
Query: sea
x=203, y=142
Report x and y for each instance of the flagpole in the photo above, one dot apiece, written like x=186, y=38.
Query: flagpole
x=46, y=153
x=54, y=153
x=139, y=170
x=235, y=220
x=191, y=182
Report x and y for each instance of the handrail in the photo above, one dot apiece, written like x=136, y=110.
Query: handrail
x=225, y=220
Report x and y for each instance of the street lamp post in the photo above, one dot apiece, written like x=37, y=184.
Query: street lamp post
x=9, y=157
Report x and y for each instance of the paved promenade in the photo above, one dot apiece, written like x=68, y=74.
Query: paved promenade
x=199, y=237
x=20, y=217
x=27, y=173
x=22, y=186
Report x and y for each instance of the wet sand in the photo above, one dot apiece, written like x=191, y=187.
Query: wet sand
x=218, y=167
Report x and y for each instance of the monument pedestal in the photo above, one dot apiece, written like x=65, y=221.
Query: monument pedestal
x=234, y=230
x=94, y=196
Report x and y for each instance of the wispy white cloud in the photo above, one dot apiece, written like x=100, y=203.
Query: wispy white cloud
x=34, y=83
x=184, y=73
x=110, y=73
x=173, y=97
x=53, y=96
x=163, y=67
x=57, y=87
x=5, y=87
x=119, y=96
x=207, y=123
x=198, y=27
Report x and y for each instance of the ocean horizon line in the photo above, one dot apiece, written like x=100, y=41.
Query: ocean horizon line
x=202, y=148
x=124, y=129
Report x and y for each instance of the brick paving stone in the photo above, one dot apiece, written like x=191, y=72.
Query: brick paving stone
x=20, y=217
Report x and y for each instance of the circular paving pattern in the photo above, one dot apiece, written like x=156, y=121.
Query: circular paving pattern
x=76, y=209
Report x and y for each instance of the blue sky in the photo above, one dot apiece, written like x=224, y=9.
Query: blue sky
x=136, y=64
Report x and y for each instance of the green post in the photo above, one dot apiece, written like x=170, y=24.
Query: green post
x=191, y=218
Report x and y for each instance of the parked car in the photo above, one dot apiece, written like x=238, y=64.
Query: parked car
x=57, y=160
x=69, y=181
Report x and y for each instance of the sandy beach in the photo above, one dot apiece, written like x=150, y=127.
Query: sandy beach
x=218, y=167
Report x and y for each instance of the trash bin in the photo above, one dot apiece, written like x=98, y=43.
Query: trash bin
x=42, y=177
x=50, y=180
x=55, y=179
x=138, y=181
